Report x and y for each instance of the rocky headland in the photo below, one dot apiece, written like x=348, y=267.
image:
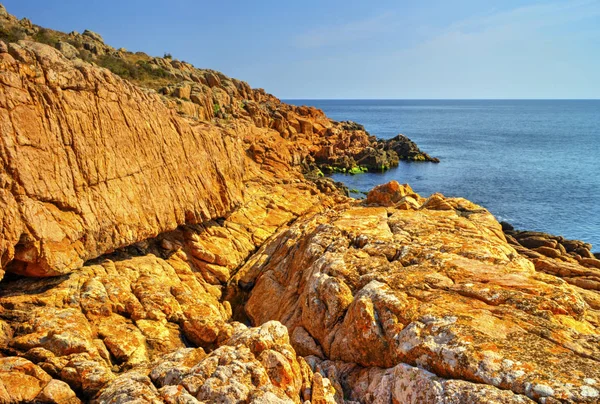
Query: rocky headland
x=166, y=235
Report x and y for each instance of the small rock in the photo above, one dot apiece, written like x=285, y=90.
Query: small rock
x=588, y=391
x=389, y=194
x=167, y=244
x=68, y=50
x=548, y=252
x=93, y=35
x=57, y=391
x=3, y=12
x=305, y=344
x=535, y=242
x=590, y=262
x=543, y=390
x=436, y=202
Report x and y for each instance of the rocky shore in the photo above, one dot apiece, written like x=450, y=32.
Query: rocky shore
x=166, y=235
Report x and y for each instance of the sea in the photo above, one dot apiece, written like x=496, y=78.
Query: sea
x=532, y=163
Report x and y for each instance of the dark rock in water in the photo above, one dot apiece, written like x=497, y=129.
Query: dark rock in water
x=377, y=159
x=406, y=149
x=507, y=226
x=597, y=255
x=535, y=242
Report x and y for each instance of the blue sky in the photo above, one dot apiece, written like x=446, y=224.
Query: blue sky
x=353, y=49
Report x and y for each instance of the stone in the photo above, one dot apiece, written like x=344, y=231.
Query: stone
x=57, y=391
x=131, y=387
x=435, y=288
x=406, y=149
x=138, y=287
x=389, y=194
x=535, y=242
x=548, y=251
x=3, y=12
x=436, y=202
x=254, y=365
x=304, y=344
x=23, y=381
x=93, y=35
x=322, y=390
x=68, y=50
x=111, y=195
x=407, y=384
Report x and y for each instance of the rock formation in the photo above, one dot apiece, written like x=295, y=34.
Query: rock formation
x=406, y=149
x=167, y=236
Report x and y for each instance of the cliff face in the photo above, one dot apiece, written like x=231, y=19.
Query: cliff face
x=90, y=163
x=181, y=245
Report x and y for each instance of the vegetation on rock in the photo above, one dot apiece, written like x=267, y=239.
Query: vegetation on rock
x=156, y=253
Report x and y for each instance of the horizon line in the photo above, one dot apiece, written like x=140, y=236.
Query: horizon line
x=441, y=99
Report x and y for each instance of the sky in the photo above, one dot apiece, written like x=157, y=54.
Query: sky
x=430, y=49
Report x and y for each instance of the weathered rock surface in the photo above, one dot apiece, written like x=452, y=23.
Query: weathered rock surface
x=76, y=182
x=255, y=365
x=22, y=381
x=407, y=384
x=570, y=260
x=406, y=149
x=151, y=224
x=75, y=185
x=432, y=287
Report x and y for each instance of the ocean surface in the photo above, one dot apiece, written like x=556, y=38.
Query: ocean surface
x=535, y=164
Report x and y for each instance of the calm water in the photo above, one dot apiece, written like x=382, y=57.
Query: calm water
x=535, y=164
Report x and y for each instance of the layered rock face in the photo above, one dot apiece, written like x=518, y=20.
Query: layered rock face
x=175, y=243
x=90, y=163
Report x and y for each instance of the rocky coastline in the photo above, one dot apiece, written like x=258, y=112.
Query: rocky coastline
x=167, y=236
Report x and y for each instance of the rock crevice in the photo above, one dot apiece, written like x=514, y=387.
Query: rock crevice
x=147, y=215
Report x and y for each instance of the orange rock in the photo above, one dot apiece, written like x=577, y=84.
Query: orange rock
x=454, y=298
x=389, y=194
x=194, y=209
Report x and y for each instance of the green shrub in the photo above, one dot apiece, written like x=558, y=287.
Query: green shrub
x=46, y=36
x=12, y=34
x=140, y=71
x=216, y=108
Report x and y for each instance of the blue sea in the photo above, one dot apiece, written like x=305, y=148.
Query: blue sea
x=535, y=164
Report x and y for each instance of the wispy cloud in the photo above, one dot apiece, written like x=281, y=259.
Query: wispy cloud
x=531, y=17
x=338, y=34
x=539, y=50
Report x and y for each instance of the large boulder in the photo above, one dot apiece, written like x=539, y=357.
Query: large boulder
x=435, y=288
x=68, y=50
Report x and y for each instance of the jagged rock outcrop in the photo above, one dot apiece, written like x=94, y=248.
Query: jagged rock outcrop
x=436, y=287
x=155, y=211
x=406, y=149
x=255, y=365
x=76, y=181
x=570, y=260
x=76, y=185
x=23, y=382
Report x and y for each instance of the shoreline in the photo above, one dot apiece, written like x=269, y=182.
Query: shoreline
x=168, y=235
